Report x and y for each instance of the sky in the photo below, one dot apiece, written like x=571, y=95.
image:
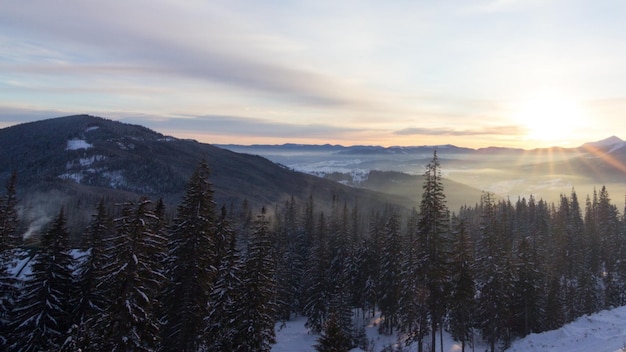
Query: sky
x=474, y=73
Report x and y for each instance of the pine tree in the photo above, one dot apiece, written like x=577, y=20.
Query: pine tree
x=9, y=221
x=290, y=262
x=334, y=337
x=41, y=319
x=414, y=312
x=432, y=229
x=494, y=276
x=527, y=292
x=133, y=279
x=317, y=279
x=463, y=284
x=9, y=239
x=91, y=302
x=390, y=275
x=223, y=319
x=192, y=265
x=256, y=308
x=612, y=247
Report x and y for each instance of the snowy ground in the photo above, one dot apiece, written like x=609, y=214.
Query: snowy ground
x=294, y=337
x=601, y=332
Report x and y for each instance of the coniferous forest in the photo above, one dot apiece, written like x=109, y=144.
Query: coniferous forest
x=212, y=278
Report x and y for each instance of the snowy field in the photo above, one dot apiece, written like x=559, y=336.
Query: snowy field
x=601, y=332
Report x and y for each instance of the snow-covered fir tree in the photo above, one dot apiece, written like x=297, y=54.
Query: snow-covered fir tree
x=42, y=316
x=256, y=306
x=390, y=273
x=192, y=264
x=223, y=314
x=334, y=337
x=91, y=300
x=432, y=228
x=9, y=240
x=462, y=285
x=133, y=280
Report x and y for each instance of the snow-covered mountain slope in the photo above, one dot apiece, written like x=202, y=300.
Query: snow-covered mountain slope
x=601, y=332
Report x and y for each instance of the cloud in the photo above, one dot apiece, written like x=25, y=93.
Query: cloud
x=13, y=115
x=166, y=40
x=242, y=126
x=499, y=130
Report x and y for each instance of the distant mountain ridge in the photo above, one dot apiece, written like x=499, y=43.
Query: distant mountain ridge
x=610, y=143
x=82, y=158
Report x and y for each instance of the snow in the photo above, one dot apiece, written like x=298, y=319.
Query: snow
x=116, y=179
x=601, y=332
x=92, y=128
x=617, y=147
x=293, y=336
x=76, y=177
x=77, y=144
x=90, y=160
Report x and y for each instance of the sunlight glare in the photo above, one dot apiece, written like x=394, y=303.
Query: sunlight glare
x=549, y=117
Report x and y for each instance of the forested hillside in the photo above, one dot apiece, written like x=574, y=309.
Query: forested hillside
x=74, y=161
x=216, y=279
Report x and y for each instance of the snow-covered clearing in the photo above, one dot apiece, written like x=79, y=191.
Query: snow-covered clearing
x=295, y=337
x=77, y=144
x=601, y=332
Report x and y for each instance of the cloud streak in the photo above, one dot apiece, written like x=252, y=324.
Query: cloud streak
x=243, y=126
x=396, y=69
x=499, y=130
x=125, y=45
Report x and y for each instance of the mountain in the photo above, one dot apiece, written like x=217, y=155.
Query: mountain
x=76, y=160
x=608, y=145
x=545, y=173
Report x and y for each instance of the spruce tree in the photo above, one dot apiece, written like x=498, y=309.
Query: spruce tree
x=317, y=279
x=223, y=317
x=91, y=301
x=42, y=316
x=133, y=280
x=9, y=221
x=256, y=308
x=390, y=274
x=527, y=292
x=334, y=337
x=494, y=276
x=414, y=312
x=192, y=264
x=463, y=284
x=432, y=230
x=612, y=247
x=9, y=239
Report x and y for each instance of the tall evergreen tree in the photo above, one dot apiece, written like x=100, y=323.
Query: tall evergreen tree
x=91, y=301
x=9, y=221
x=192, y=264
x=463, y=284
x=494, y=276
x=333, y=337
x=390, y=275
x=133, y=279
x=42, y=319
x=223, y=317
x=612, y=247
x=255, y=331
x=414, y=319
x=317, y=279
x=432, y=230
x=9, y=239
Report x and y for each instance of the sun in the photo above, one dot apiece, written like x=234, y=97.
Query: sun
x=549, y=118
